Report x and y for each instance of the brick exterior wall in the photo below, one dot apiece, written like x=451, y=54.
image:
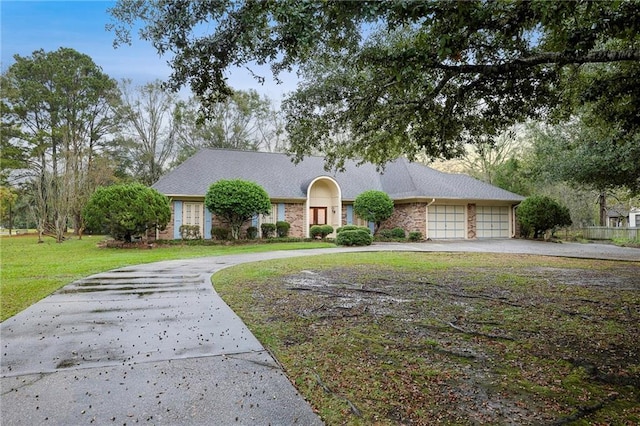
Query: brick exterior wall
x=167, y=234
x=471, y=222
x=408, y=216
x=412, y=217
x=294, y=214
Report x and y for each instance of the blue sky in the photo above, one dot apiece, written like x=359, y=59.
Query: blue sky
x=31, y=25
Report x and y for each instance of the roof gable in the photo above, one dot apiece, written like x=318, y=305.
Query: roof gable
x=282, y=179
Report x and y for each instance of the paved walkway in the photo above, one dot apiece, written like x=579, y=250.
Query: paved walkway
x=154, y=343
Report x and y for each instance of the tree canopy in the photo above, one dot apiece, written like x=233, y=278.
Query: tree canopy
x=245, y=121
x=8, y=199
x=148, y=128
x=57, y=117
x=586, y=155
x=397, y=78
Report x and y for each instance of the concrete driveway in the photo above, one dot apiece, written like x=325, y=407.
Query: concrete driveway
x=154, y=343
x=578, y=250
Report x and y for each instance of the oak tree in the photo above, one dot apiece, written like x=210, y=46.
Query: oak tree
x=396, y=78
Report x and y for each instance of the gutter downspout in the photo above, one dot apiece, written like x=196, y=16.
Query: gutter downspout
x=514, y=220
x=426, y=214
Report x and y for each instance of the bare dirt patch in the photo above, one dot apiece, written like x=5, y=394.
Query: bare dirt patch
x=489, y=344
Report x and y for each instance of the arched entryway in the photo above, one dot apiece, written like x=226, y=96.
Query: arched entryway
x=324, y=203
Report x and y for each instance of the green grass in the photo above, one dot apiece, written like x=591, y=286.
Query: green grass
x=31, y=271
x=626, y=242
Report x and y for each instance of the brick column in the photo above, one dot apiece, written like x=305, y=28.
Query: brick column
x=471, y=221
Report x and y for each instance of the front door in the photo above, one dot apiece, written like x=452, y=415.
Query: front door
x=317, y=216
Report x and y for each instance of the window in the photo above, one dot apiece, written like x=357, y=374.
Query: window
x=192, y=214
x=272, y=217
x=317, y=216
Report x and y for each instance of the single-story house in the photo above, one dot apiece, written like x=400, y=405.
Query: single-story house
x=617, y=218
x=634, y=217
x=437, y=204
x=621, y=217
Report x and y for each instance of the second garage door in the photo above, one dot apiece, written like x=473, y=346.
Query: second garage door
x=446, y=222
x=492, y=222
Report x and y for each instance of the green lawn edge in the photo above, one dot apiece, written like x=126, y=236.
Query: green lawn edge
x=30, y=271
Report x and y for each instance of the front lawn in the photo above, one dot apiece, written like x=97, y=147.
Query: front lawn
x=441, y=338
x=31, y=271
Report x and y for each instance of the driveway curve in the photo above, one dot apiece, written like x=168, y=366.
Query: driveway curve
x=155, y=344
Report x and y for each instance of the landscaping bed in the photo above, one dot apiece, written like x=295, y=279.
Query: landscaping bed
x=424, y=338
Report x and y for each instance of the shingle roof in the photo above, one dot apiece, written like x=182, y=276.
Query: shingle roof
x=283, y=179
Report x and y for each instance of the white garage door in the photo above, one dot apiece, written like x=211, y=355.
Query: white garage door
x=446, y=222
x=492, y=222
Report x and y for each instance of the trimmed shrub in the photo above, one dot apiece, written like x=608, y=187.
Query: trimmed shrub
x=268, y=230
x=385, y=233
x=354, y=237
x=190, y=232
x=326, y=230
x=320, y=231
x=398, y=233
x=282, y=228
x=538, y=214
x=349, y=228
x=220, y=233
x=126, y=211
x=415, y=236
x=252, y=232
x=315, y=231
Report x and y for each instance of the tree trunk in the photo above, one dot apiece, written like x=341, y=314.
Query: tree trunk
x=10, y=219
x=602, y=201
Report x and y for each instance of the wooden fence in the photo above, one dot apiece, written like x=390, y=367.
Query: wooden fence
x=606, y=233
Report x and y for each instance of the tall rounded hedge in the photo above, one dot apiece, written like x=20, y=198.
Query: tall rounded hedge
x=127, y=210
x=236, y=201
x=373, y=206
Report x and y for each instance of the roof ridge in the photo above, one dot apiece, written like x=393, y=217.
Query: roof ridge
x=178, y=167
x=406, y=167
